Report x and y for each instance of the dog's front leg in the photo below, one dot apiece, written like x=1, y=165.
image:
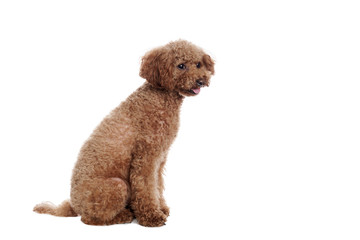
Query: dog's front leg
x=163, y=206
x=145, y=200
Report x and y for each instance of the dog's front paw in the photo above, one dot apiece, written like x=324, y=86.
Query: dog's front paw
x=154, y=218
x=166, y=210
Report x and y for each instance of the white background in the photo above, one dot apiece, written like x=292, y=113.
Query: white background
x=269, y=151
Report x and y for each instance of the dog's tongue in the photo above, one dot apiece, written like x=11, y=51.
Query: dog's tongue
x=196, y=90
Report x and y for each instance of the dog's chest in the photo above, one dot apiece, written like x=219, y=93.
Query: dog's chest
x=165, y=125
x=157, y=131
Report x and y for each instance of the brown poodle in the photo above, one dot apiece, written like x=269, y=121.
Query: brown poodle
x=118, y=175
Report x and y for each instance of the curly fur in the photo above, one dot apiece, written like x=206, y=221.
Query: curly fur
x=118, y=175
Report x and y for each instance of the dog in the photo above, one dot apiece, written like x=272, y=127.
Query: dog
x=118, y=174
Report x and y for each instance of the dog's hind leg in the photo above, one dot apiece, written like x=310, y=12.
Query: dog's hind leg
x=102, y=201
x=124, y=216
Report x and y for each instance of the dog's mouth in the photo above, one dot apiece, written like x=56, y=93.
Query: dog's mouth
x=194, y=91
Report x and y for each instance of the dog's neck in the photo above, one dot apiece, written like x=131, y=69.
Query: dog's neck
x=172, y=99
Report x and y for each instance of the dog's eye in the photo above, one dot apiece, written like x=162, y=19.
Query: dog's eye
x=198, y=65
x=181, y=66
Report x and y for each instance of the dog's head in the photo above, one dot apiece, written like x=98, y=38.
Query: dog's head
x=178, y=66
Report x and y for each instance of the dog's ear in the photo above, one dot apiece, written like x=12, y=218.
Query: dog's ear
x=209, y=63
x=156, y=68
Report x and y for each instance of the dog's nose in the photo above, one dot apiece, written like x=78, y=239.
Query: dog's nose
x=200, y=82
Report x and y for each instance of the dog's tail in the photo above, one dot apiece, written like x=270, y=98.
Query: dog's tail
x=62, y=210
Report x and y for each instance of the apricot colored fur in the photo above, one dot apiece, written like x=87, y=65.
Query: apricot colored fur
x=118, y=175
